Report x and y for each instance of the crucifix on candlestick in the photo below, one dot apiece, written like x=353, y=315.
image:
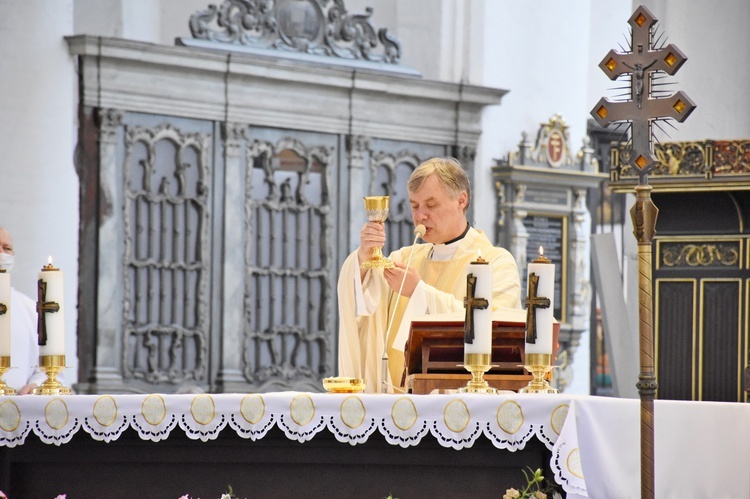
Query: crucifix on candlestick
x=43, y=307
x=642, y=109
x=532, y=303
x=471, y=302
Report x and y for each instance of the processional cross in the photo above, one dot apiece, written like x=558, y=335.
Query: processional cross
x=641, y=110
x=43, y=307
x=471, y=302
x=532, y=303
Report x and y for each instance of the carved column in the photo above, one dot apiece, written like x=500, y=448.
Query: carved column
x=230, y=334
x=579, y=285
x=110, y=299
x=519, y=236
x=465, y=155
x=358, y=152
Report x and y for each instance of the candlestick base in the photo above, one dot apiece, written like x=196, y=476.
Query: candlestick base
x=477, y=364
x=4, y=367
x=51, y=365
x=538, y=364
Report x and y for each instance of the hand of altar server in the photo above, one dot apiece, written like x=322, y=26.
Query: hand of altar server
x=394, y=276
x=27, y=389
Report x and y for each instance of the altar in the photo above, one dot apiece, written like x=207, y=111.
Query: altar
x=299, y=444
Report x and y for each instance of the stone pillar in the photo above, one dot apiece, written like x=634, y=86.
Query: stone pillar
x=358, y=152
x=232, y=272
x=110, y=299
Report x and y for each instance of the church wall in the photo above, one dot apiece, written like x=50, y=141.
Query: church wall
x=716, y=41
x=131, y=19
x=38, y=182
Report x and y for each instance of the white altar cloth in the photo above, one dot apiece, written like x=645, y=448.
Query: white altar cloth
x=702, y=448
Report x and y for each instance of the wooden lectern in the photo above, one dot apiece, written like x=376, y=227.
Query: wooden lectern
x=434, y=356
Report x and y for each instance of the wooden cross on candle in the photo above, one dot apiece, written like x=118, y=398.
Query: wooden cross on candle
x=532, y=303
x=43, y=307
x=471, y=302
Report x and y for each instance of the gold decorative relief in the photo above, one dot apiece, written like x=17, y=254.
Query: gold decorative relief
x=700, y=255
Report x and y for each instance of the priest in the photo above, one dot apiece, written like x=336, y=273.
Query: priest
x=374, y=319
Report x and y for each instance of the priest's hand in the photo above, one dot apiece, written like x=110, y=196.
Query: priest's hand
x=394, y=276
x=372, y=236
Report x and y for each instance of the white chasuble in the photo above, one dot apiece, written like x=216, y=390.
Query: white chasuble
x=363, y=338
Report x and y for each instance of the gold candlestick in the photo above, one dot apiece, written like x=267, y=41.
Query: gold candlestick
x=477, y=364
x=538, y=364
x=4, y=366
x=51, y=365
x=376, y=208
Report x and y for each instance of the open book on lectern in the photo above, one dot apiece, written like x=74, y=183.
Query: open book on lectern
x=436, y=342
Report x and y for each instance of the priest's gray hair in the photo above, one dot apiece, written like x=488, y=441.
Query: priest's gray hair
x=449, y=173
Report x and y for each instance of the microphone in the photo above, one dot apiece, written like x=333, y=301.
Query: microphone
x=419, y=232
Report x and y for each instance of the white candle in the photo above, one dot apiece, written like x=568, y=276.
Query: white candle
x=543, y=268
x=482, y=318
x=5, y=318
x=53, y=277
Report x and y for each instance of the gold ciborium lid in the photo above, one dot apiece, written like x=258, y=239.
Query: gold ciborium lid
x=344, y=385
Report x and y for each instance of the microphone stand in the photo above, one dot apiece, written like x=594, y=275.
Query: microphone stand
x=419, y=231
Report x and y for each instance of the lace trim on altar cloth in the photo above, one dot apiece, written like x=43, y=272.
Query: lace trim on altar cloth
x=455, y=421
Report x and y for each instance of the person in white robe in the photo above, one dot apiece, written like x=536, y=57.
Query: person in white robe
x=374, y=319
x=24, y=374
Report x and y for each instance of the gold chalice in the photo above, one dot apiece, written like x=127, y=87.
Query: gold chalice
x=376, y=208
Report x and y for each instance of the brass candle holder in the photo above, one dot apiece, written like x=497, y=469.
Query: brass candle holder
x=376, y=208
x=477, y=364
x=51, y=365
x=538, y=364
x=4, y=367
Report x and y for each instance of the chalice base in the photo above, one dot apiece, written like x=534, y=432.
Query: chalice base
x=377, y=263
